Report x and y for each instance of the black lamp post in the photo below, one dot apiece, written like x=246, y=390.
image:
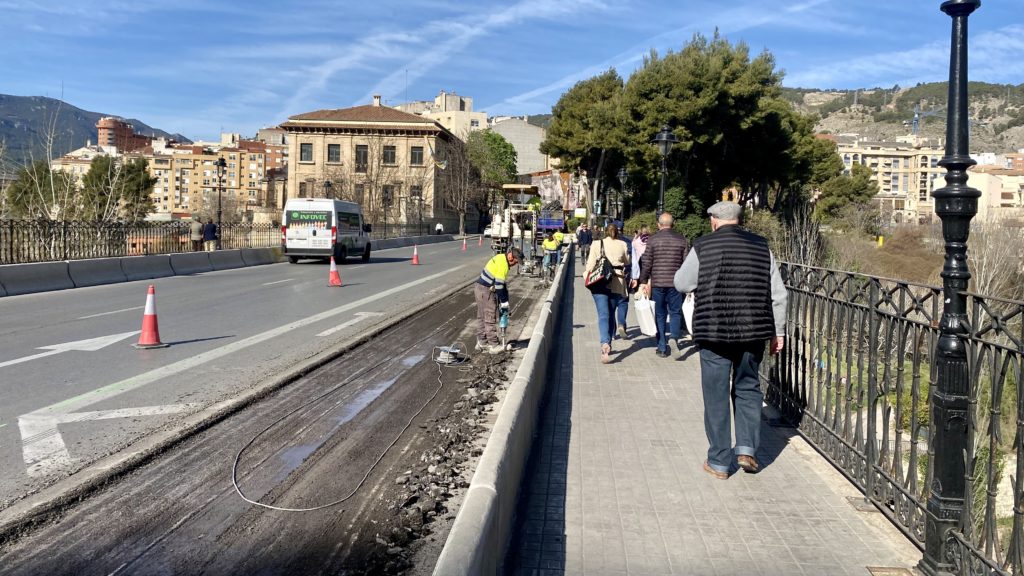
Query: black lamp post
x=220, y=163
x=956, y=204
x=328, y=189
x=623, y=176
x=664, y=139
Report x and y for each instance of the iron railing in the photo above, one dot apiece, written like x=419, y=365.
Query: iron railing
x=856, y=377
x=24, y=241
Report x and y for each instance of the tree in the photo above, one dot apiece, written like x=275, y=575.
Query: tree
x=838, y=192
x=116, y=189
x=586, y=125
x=39, y=192
x=493, y=159
x=460, y=180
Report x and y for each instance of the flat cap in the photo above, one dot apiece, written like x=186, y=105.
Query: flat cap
x=726, y=210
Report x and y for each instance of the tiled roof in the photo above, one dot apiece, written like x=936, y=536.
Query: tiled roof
x=368, y=113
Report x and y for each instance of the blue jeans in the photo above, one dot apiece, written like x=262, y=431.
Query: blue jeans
x=720, y=362
x=667, y=302
x=609, y=305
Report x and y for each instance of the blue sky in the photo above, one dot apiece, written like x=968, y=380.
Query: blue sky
x=202, y=66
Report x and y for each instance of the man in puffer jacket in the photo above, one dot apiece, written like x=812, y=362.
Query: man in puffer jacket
x=665, y=253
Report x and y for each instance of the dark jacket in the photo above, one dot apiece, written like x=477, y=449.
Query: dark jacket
x=666, y=250
x=210, y=231
x=584, y=238
x=734, y=291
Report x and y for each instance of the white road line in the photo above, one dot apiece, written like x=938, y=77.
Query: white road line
x=108, y=313
x=360, y=316
x=44, y=448
x=278, y=282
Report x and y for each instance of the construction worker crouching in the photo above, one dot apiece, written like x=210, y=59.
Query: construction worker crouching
x=493, y=283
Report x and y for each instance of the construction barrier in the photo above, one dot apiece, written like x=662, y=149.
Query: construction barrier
x=37, y=277
x=96, y=272
x=260, y=256
x=191, y=263
x=146, y=267
x=225, y=259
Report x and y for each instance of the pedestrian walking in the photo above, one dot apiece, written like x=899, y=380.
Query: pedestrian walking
x=491, y=292
x=610, y=297
x=637, y=248
x=666, y=250
x=196, y=234
x=740, y=305
x=210, y=234
x=584, y=239
x=439, y=228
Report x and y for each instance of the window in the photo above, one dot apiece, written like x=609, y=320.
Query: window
x=474, y=123
x=416, y=191
x=305, y=152
x=389, y=195
x=362, y=157
x=334, y=153
x=416, y=156
x=389, y=155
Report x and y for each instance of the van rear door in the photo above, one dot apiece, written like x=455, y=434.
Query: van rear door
x=308, y=229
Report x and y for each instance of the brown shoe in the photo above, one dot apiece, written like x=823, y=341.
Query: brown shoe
x=715, y=473
x=748, y=463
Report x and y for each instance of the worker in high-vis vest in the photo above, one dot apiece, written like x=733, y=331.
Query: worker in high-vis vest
x=491, y=291
x=559, y=237
x=551, y=247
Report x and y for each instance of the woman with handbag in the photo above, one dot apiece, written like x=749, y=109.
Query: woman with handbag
x=605, y=276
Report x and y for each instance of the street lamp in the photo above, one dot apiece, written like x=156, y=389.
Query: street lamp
x=623, y=176
x=328, y=192
x=664, y=139
x=220, y=163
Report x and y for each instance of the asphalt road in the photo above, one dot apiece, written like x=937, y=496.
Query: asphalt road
x=321, y=439
x=61, y=408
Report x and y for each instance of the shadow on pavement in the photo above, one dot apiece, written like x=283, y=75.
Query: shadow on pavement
x=538, y=539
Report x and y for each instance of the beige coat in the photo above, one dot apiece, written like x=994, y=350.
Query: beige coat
x=617, y=253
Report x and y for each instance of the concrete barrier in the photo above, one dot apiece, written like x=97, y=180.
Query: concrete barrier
x=191, y=263
x=146, y=267
x=259, y=256
x=225, y=259
x=36, y=277
x=479, y=537
x=96, y=272
x=3, y=291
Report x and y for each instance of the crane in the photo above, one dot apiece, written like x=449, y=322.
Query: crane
x=915, y=123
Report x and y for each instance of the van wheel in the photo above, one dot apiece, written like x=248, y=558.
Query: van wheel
x=293, y=260
x=366, y=253
x=340, y=254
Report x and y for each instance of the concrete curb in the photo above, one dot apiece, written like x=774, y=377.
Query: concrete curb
x=260, y=256
x=225, y=260
x=38, y=508
x=480, y=535
x=147, y=267
x=36, y=277
x=95, y=272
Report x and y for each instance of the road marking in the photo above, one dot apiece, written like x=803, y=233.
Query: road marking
x=44, y=447
x=90, y=345
x=41, y=442
x=111, y=312
x=278, y=282
x=360, y=316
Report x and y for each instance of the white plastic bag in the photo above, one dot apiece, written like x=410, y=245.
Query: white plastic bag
x=688, y=312
x=645, y=315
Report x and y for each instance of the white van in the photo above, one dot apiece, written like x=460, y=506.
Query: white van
x=322, y=227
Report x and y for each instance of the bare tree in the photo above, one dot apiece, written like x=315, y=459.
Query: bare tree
x=994, y=259
x=379, y=180
x=460, y=181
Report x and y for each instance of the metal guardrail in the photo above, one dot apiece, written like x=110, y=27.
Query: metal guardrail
x=857, y=376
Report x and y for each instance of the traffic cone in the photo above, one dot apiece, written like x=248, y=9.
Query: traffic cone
x=150, y=337
x=481, y=241
x=415, y=255
x=463, y=244
x=335, y=277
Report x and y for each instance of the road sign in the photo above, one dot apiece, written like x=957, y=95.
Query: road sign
x=549, y=219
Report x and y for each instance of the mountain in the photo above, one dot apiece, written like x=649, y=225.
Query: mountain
x=996, y=112
x=26, y=123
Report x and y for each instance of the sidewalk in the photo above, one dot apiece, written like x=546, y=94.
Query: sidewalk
x=615, y=484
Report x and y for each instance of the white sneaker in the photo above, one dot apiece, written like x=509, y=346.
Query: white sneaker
x=495, y=349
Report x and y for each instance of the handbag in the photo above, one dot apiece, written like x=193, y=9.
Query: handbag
x=645, y=315
x=600, y=274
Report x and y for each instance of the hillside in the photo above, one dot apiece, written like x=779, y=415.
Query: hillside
x=996, y=112
x=25, y=123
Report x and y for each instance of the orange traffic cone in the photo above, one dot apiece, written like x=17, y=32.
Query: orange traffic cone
x=150, y=337
x=335, y=277
x=481, y=241
x=415, y=255
x=463, y=244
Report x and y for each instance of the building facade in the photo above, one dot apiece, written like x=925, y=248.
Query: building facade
x=526, y=139
x=1002, y=192
x=387, y=160
x=450, y=110
x=116, y=133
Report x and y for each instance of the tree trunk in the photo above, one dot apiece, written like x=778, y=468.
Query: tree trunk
x=592, y=195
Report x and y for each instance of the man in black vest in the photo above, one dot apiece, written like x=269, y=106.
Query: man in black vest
x=740, y=305
x=665, y=253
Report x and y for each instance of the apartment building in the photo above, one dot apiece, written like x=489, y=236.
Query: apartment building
x=526, y=139
x=116, y=133
x=450, y=110
x=1002, y=192
x=387, y=160
x=907, y=172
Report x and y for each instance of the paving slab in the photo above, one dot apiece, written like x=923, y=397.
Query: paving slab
x=615, y=484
